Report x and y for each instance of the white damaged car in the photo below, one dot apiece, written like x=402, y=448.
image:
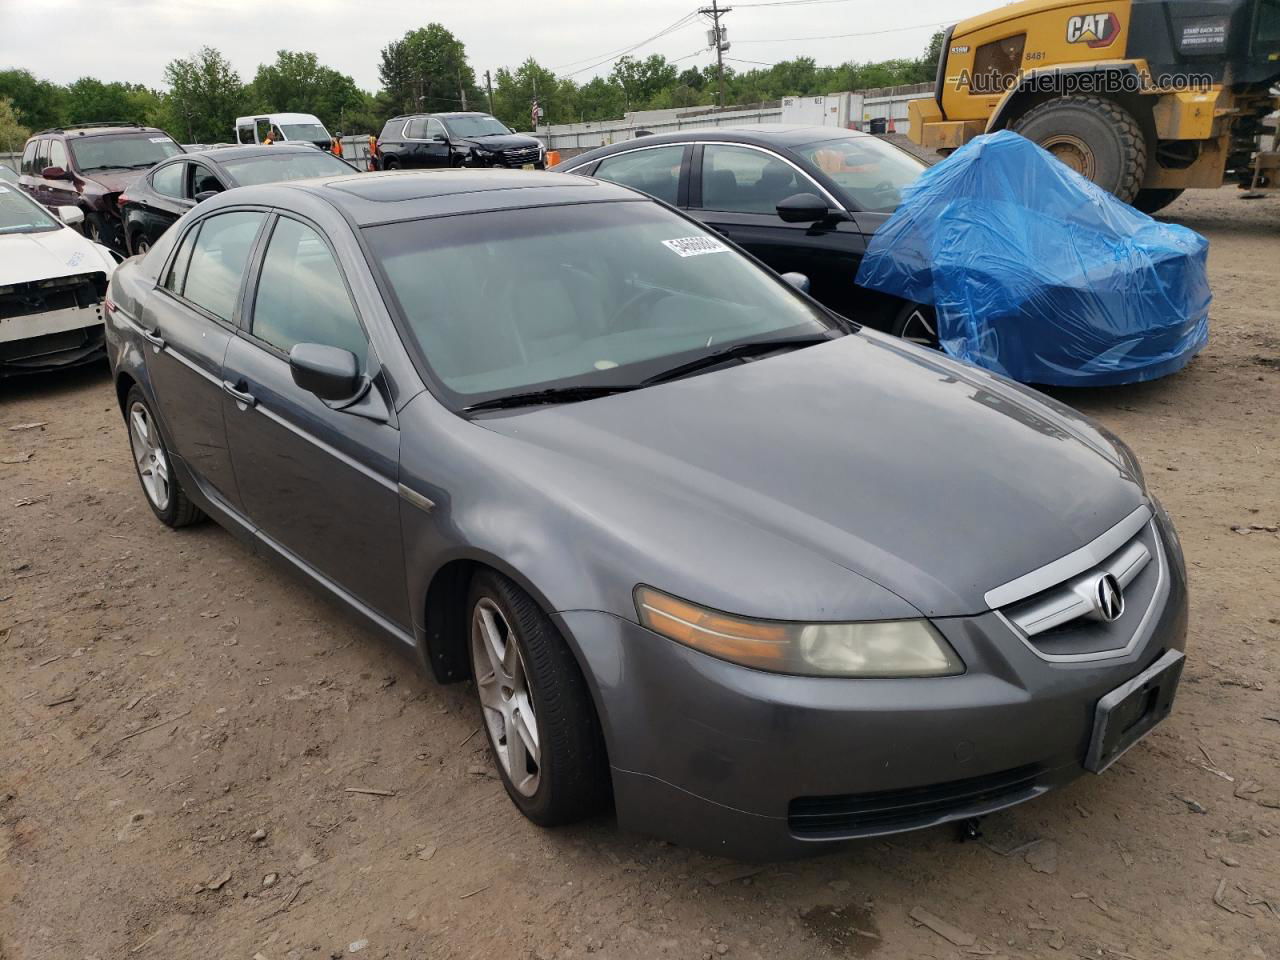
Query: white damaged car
x=52, y=283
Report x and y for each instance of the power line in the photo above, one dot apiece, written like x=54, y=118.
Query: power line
x=615, y=54
x=843, y=36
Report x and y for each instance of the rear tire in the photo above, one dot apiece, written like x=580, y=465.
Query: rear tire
x=138, y=244
x=1151, y=200
x=160, y=485
x=536, y=709
x=1096, y=137
x=390, y=163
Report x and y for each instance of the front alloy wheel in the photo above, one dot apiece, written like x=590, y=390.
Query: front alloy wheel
x=502, y=682
x=537, y=710
x=917, y=323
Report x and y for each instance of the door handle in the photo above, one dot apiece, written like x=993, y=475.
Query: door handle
x=241, y=396
x=152, y=337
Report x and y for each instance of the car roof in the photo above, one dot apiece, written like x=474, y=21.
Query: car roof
x=242, y=151
x=757, y=134
x=391, y=196
x=446, y=115
x=98, y=130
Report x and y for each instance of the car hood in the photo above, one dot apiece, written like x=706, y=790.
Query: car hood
x=499, y=141
x=927, y=477
x=113, y=181
x=42, y=256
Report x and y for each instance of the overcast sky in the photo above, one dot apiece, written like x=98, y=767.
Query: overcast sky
x=132, y=40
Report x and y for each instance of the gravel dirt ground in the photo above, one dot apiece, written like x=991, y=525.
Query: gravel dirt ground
x=185, y=729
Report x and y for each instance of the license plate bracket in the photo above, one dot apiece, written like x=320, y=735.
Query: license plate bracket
x=1130, y=711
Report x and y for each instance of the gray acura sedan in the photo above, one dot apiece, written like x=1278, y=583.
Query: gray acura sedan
x=765, y=580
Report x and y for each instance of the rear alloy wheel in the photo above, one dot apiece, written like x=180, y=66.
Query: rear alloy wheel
x=1095, y=137
x=917, y=323
x=139, y=245
x=155, y=472
x=537, y=711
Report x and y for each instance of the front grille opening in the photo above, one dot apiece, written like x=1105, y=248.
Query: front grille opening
x=856, y=814
x=43, y=296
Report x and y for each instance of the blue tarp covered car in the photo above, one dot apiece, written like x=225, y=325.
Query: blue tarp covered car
x=1040, y=275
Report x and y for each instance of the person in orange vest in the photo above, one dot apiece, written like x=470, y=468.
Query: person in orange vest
x=336, y=148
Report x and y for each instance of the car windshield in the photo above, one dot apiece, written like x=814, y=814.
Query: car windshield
x=129, y=151
x=21, y=214
x=586, y=295
x=294, y=165
x=479, y=126
x=870, y=171
x=305, y=131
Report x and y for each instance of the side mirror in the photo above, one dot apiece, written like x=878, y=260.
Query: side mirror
x=439, y=138
x=797, y=280
x=71, y=215
x=204, y=195
x=803, y=208
x=328, y=372
x=55, y=173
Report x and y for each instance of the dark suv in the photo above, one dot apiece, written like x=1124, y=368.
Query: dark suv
x=88, y=165
x=455, y=140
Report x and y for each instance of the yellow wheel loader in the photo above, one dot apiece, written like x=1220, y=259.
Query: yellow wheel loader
x=1144, y=97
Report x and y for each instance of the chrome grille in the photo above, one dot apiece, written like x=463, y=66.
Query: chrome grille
x=521, y=155
x=1057, y=610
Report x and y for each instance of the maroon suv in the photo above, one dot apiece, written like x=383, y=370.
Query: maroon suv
x=88, y=165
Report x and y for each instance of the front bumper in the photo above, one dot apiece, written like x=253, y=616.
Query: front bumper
x=762, y=766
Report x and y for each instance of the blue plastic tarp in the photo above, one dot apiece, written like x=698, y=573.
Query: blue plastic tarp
x=1038, y=274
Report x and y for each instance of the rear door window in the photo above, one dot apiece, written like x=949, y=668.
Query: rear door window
x=218, y=260
x=655, y=171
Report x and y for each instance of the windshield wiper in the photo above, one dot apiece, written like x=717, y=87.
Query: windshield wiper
x=738, y=351
x=529, y=398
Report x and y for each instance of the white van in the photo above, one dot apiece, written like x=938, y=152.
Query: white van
x=280, y=127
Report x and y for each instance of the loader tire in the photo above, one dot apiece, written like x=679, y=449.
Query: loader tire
x=1097, y=138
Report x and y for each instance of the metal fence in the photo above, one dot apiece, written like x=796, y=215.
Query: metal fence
x=11, y=160
x=571, y=138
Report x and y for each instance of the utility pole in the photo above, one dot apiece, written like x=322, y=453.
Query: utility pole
x=717, y=37
x=488, y=85
x=462, y=91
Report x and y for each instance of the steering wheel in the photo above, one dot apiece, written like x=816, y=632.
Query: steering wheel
x=632, y=303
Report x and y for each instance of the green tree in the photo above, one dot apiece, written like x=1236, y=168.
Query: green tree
x=205, y=96
x=601, y=99
x=89, y=100
x=12, y=133
x=427, y=71
x=514, y=92
x=643, y=80
x=299, y=83
x=38, y=102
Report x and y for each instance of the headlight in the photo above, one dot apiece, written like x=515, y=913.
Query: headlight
x=882, y=648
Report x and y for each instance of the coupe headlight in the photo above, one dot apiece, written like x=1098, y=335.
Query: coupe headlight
x=881, y=648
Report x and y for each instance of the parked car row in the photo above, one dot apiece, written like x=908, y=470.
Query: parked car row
x=690, y=534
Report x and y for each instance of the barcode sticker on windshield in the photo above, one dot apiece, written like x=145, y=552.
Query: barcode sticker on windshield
x=695, y=246
x=161, y=139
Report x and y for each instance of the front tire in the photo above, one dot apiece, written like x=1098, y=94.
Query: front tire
x=1096, y=137
x=537, y=710
x=164, y=493
x=1154, y=199
x=139, y=245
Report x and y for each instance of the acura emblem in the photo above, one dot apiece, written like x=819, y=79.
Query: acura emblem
x=1108, y=598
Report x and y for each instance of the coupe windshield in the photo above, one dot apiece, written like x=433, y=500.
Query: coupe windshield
x=870, y=171
x=293, y=165
x=479, y=126
x=19, y=214
x=134, y=151
x=306, y=131
x=590, y=295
